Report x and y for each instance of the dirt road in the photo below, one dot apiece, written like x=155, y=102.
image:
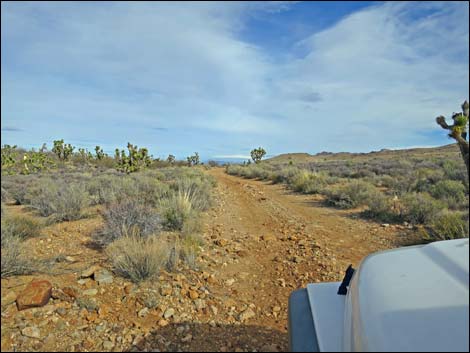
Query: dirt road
x=280, y=241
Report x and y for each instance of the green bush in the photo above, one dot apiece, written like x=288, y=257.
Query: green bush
x=451, y=191
x=420, y=208
x=308, y=183
x=285, y=175
x=379, y=207
x=449, y=225
x=351, y=195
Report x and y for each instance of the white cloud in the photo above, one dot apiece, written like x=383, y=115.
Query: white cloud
x=184, y=66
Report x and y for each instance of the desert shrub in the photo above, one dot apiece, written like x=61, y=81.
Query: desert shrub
x=126, y=216
x=197, y=191
x=420, y=208
x=233, y=169
x=63, y=200
x=449, y=225
x=308, y=183
x=189, y=250
x=150, y=190
x=285, y=175
x=138, y=257
x=379, y=207
x=176, y=210
x=4, y=195
x=454, y=170
x=18, y=187
x=351, y=195
x=15, y=257
x=452, y=191
x=22, y=227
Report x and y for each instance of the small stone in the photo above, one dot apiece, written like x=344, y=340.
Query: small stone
x=61, y=311
x=221, y=242
x=277, y=309
x=200, y=304
x=8, y=298
x=247, y=314
x=162, y=323
x=90, y=292
x=108, y=345
x=128, y=288
x=37, y=293
x=187, y=338
x=385, y=225
x=193, y=294
x=89, y=271
x=32, y=332
x=143, y=312
x=103, y=276
x=83, y=281
x=268, y=237
x=269, y=348
x=229, y=282
x=70, y=259
x=169, y=313
x=165, y=291
x=100, y=328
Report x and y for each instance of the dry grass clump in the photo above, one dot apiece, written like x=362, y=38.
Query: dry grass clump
x=64, y=201
x=16, y=259
x=449, y=225
x=20, y=226
x=137, y=257
x=120, y=218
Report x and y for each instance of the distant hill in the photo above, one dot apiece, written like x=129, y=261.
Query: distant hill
x=384, y=153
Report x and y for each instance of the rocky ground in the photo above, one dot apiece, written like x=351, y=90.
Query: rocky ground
x=262, y=242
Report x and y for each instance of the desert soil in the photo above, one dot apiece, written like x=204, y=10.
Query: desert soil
x=262, y=243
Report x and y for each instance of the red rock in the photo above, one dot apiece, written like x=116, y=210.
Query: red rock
x=37, y=293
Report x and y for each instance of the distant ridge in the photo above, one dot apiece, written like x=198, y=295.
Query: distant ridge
x=385, y=152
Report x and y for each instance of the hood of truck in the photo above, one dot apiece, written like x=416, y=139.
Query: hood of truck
x=410, y=299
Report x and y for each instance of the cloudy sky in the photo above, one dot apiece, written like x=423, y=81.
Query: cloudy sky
x=222, y=78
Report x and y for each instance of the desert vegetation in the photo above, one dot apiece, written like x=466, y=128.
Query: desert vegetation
x=146, y=212
x=430, y=193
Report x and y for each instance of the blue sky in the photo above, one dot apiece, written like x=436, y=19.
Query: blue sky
x=223, y=78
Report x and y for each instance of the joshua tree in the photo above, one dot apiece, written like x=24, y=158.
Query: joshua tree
x=458, y=131
x=171, y=159
x=257, y=154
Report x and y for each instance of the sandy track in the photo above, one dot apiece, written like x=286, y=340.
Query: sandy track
x=284, y=241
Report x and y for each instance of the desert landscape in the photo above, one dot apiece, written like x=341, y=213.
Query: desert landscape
x=202, y=176
x=184, y=256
